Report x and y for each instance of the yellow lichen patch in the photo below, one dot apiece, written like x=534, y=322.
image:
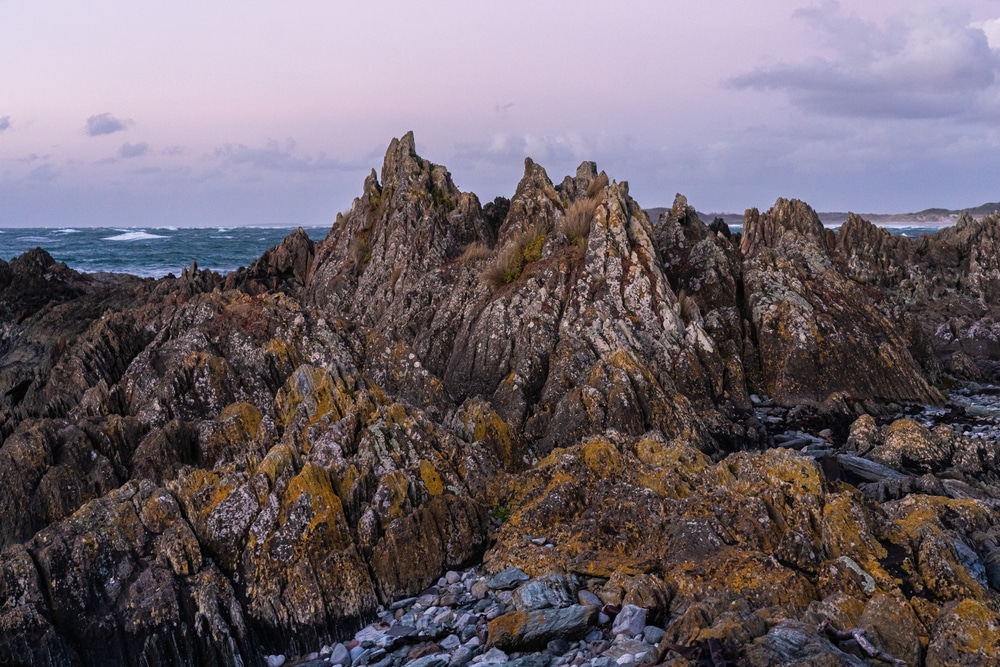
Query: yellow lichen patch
x=392, y=490
x=231, y=434
x=282, y=351
x=396, y=414
x=966, y=634
x=488, y=427
x=431, y=478
x=774, y=468
x=917, y=514
x=845, y=530
x=312, y=388
x=327, y=510
x=201, y=492
x=345, y=482
x=279, y=459
x=244, y=415
x=673, y=457
x=601, y=457
x=554, y=457
x=670, y=470
x=740, y=574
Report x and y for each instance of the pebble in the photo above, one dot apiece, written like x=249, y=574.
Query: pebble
x=630, y=620
x=492, y=657
x=508, y=579
x=652, y=635
x=447, y=625
x=461, y=656
x=339, y=656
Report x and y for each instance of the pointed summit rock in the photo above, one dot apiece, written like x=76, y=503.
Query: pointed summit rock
x=411, y=223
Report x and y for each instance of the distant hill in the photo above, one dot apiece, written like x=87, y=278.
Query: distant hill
x=832, y=218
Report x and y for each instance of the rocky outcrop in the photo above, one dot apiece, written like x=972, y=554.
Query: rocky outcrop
x=284, y=268
x=817, y=331
x=206, y=469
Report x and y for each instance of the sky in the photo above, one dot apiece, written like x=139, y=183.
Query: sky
x=146, y=113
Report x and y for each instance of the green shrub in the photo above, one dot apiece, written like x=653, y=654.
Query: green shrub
x=510, y=261
x=506, y=268
x=501, y=512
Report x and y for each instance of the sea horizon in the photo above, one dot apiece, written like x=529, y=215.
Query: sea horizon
x=155, y=251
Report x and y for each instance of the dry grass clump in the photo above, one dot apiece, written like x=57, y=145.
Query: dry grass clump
x=360, y=250
x=506, y=268
x=510, y=261
x=531, y=243
x=597, y=186
x=576, y=222
x=686, y=306
x=475, y=251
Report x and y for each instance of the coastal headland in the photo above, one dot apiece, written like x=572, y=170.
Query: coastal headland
x=758, y=439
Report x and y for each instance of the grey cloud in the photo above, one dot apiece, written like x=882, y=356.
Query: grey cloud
x=133, y=150
x=924, y=65
x=276, y=157
x=105, y=123
x=4, y=123
x=43, y=173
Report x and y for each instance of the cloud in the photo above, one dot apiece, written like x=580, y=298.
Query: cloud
x=43, y=174
x=541, y=148
x=133, y=150
x=924, y=64
x=4, y=123
x=277, y=157
x=105, y=123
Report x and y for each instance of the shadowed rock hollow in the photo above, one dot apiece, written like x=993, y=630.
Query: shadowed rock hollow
x=207, y=469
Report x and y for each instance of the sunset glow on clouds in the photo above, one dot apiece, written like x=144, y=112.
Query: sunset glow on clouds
x=255, y=112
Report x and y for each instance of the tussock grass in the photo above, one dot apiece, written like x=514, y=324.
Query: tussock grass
x=360, y=250
x=687, y=306
x=577, y=221
x=510, y=261
x=597, y=186
x=505, y=269
x=475, y=251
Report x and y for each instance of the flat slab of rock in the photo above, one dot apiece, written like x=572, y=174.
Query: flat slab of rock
x=866, y=469
x=525, y=631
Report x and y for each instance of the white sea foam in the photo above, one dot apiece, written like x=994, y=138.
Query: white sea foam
x=68, y=230
x=34, y=239
x=134, y=236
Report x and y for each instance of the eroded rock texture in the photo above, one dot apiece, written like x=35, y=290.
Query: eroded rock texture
x=205, y=470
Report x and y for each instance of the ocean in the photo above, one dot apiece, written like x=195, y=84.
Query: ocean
x=150, y=252
x=155, y=252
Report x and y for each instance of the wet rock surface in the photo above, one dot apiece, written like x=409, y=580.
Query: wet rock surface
x=548, y=431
